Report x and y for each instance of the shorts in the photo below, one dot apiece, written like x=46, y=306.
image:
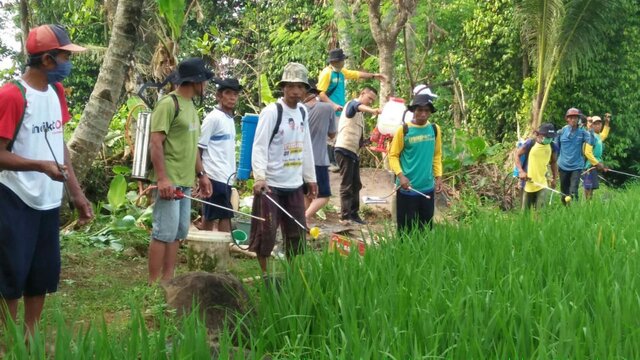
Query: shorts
x=322, y=179
x=29, y=248
x=221, y=195
x=171, y=218
x=590, y=180
x=263, y=233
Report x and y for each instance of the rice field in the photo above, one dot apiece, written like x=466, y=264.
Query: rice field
x=560, y=283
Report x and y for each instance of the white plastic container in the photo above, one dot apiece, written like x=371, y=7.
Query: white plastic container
x=391, y=117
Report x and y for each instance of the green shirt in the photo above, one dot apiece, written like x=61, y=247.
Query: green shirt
x=180, y=146
x=416, y=158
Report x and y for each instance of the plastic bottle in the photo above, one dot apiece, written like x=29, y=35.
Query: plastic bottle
x=249, y=124
x=391, y=117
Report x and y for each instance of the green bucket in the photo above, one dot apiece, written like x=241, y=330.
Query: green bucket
x=239, y=236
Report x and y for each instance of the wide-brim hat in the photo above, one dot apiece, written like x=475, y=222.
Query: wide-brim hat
x=596, y=118
x=191, y=70
x=421, y=100
x=547, y=130
x=337, y=55
x=229, y=84
x=313, y=87
x=294, y=73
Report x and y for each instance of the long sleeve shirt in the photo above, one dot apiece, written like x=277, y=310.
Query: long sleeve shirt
x=288, y=160
x=417, y=154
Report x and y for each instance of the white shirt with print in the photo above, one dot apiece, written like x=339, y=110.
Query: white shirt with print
x=289, y=158
x=218, y=144
x=42, y=113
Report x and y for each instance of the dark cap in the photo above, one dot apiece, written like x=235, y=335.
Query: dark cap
x=547, y=130
x=336, y=55
x=50, y=37
x=191, y=70
x=313, y=87
x=229, y=84
x=422, y=100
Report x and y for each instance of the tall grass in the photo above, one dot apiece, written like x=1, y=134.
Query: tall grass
x=561, y=283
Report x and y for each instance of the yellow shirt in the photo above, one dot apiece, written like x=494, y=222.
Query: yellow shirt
x=397, y=145
x=325, y=77
x=539, y=158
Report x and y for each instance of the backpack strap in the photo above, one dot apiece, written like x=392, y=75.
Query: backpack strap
x=435, y=130
x=278, y=122
x=302, y=112
x=23, y=92
x=333, y=88
x=405, y=127
x=176, y=104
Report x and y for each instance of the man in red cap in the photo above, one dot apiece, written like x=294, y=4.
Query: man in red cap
x=35, y=166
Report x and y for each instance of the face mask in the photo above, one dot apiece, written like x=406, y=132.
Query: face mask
x=62, y=70
x=547, y=141
x=336, y=69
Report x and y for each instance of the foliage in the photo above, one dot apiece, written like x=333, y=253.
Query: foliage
x=467, y=291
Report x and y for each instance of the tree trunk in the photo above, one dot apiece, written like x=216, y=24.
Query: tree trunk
x=385, y=29
x=387, y=67
x=105, y=98
x=24, y=25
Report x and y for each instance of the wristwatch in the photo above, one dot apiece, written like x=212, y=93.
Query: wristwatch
x=201, y=173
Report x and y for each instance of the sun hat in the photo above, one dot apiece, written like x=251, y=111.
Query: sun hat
x=50, y=37
x=421, y=100
x=229, y=83
x=313, y=87
x=337, y=55
x=573, y=112
x=191, y=70
x=294, y=73
x=596, y=118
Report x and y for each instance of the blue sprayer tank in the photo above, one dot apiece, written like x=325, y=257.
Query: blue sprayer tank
x=249, y=124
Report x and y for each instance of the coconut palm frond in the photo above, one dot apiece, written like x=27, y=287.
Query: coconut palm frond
x=583, y=30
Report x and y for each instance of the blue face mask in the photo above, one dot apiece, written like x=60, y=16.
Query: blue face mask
x=62, y=70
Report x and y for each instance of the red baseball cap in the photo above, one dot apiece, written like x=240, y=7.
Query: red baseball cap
x=50, y=37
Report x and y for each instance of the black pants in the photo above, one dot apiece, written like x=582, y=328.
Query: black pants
x=533, y=199
x=569, y=183
x=414, y=211
x=350, y=186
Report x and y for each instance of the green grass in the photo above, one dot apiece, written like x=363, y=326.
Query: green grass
x=559, y=283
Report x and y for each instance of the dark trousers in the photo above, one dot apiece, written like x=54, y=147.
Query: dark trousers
x=414, y=212
x=569, y=183
x=533, y=199
x=332, y=157
x=350, y=186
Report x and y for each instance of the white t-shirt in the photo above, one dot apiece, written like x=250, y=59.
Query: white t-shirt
x=43, y=111
x=289, y=159
x=218, y=141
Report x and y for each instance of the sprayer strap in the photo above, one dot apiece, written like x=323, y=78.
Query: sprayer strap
x=279, y=120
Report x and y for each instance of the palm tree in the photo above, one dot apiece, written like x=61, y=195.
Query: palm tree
x=560, y=35
x=107, y=92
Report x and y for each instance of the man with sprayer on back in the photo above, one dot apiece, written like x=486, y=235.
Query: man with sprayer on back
x=415, y=156
x=538, y=153
x=282, y=160
x=175, y=129
x=571, y=141
x=34, y=168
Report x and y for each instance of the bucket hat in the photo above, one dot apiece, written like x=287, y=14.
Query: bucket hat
x=294, y=73
x=421, y=100
x=230, y=83
x=191, y=70
x=337, y=55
